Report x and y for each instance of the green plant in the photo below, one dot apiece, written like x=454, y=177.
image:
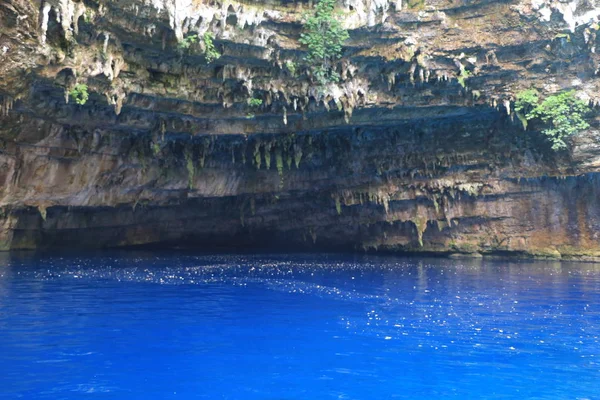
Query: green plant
x=155, y=148
x=89, y=15
x=210, y=52
x=463, y=76
x=187, y=42
x=527, y=100
x=563, y=36
x=324, y=37
x=415, y=4
x=189, y=164
x=254, y=102
x=563, y=114
x=291, y=66
x=79, y=93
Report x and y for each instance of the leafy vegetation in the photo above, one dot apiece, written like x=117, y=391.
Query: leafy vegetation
x=89, y=15
x=210, y=52
x=80, y=94
x=563, y=114
x=291, y=66
x=324, y=37
x=415, y=4
x=187, y=42
x=254, y=102
x=527, y=100
x=464, y=75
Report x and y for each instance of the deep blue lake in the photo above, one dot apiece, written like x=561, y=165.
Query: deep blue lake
x=180, y=326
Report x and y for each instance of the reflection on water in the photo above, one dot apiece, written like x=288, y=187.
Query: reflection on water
x=140, y=325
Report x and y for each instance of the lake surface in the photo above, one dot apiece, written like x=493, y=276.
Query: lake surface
x=181, y=326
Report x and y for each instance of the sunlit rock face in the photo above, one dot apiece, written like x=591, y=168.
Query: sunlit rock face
x=405, y=153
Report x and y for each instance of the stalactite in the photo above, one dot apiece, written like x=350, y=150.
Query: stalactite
x=420, y=223
x=7, y=105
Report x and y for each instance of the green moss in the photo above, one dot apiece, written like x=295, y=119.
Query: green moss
x=415, y=5
x=267, y=151
x=43, y=212
x=472, y=189
x=279, y=161
x=436, y=205
x=420, y=223
x=297, y=155
x=464, y=247
x=189, y=163
x=563, y=36
x=257, y=157
x=441, y=224
x=155, y=148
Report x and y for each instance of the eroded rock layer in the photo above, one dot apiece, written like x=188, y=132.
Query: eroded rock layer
x=416, y=149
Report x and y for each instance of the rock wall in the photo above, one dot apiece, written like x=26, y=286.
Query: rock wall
x=407, y=153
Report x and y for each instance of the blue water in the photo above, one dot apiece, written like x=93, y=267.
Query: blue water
x=179, y=326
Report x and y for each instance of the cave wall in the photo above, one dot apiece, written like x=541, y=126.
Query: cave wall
x=404, y=154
